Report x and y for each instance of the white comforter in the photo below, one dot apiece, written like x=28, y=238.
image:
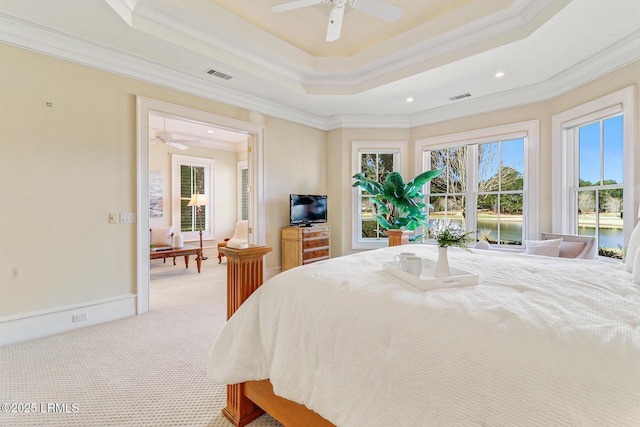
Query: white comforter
x=539, y=341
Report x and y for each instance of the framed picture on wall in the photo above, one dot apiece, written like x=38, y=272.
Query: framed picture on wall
x=156, y=207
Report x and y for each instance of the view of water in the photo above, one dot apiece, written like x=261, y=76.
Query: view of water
x=609, y=237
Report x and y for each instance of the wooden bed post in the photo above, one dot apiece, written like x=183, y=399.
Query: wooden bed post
x=244, y=276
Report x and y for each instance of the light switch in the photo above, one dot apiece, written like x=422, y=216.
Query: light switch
x=127, y=218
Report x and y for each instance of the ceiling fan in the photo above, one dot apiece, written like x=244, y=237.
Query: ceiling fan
x=168, y=138
x=376, y=8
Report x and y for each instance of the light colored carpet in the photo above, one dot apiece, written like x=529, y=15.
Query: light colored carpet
x=148, y=370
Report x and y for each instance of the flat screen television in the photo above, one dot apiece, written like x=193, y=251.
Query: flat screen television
x=307, y=209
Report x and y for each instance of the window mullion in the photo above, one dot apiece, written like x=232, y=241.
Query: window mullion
x=472, y=188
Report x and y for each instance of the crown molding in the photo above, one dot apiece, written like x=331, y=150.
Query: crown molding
x=245, y=46
x=43, y=40
x=29, y=36
x=622, y=53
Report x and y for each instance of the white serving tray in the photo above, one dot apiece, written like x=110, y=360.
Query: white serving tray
x=427, y=281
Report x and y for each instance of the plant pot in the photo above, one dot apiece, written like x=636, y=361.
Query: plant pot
x=398, y=237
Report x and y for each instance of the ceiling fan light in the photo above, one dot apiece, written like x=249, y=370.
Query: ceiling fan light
x=164, y=135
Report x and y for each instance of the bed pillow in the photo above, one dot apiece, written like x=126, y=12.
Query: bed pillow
x=571, y=249
x=549, y=247
x=636, y=268
x=161, y=236
x=634, y=244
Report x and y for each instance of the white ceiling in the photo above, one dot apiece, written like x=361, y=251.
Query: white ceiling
x=197, y=133
x=281, y=65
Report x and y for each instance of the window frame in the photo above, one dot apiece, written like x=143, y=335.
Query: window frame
x=399, y=149
x=530, y=131
x=178, y=160
x=565, y=168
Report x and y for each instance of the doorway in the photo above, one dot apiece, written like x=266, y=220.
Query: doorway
x=149, y=108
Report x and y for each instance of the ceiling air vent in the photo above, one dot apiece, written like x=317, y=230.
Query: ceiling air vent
x=464, y=95
x=219, y=74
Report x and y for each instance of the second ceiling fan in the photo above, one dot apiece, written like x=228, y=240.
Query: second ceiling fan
x=376, y=8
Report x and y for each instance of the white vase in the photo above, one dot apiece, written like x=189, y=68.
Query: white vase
x=178, y=240
x=442, y=268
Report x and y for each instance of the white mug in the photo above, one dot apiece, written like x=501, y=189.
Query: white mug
x=413, y=265
x=399, y=259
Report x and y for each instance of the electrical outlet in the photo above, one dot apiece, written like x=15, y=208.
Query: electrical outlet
x=80, y=317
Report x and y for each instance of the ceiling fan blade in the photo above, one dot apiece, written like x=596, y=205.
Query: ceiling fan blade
x=177, y=145
x=285, y=7
x=378, y=8
x=335, y=23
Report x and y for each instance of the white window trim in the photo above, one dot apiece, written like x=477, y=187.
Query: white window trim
x=358, y=147
x=208, y=164
x=530, y=130
x=564, y=163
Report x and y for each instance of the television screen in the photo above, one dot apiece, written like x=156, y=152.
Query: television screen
x=307, y=209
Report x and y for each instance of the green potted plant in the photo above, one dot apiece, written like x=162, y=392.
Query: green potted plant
x=398, y=205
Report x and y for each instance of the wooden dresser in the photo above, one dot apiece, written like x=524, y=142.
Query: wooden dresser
x=304, y=245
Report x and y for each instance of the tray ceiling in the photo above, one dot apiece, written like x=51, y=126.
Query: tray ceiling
x=279, y=63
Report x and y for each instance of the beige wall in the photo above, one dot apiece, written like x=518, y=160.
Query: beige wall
x=340, y=178
x=64, y=168
x=340, y=142
x=296, y=163
x=224, y=194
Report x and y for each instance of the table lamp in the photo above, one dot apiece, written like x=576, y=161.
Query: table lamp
x=199, y=200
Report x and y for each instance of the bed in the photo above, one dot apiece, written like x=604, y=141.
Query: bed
x=538, y=341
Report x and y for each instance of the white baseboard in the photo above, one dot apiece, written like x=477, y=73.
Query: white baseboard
x=43, y=323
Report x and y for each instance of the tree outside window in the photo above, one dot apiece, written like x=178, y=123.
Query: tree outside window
x=375, y=160
x=600, y=187
x=489, y=177
x=375, y=166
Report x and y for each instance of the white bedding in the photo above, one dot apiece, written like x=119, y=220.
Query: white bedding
x=538, y=342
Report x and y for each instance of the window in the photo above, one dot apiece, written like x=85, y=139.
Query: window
x=243, y=190
x=498, y=193
x=594, y=171
x=192, y=175
x=375, y=159
x=489, y=184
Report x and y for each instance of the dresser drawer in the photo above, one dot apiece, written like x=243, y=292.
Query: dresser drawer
x=315, y=243
x=313, y=254
x=305, y=245
x=310, y=234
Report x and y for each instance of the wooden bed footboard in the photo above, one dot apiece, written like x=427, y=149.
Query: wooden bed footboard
x=247, y=401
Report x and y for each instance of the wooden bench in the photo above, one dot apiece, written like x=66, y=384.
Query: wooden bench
x=185, y=251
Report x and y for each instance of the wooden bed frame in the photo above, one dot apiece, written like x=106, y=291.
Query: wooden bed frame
x=247, y=401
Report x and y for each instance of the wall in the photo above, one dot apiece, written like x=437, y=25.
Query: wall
x=340, y=141
x=340, y=188
x=224, y=194
x=296, y=166
x=64, y=168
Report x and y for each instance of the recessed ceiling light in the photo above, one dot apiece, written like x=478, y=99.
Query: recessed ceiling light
x=211, y=131
x=499, y=74
x=409, y=99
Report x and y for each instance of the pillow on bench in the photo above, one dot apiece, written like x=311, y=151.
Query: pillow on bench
x=543, y=247
x=161, y=236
